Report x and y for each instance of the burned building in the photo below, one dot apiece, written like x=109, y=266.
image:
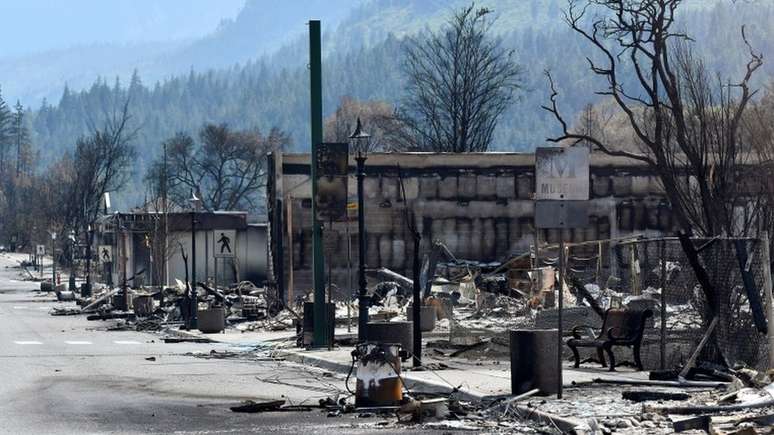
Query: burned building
x=479, y=204
x=136, y=241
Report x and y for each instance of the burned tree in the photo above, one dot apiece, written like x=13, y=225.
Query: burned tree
x=77, y=182
x=101, y=164
x=460, y=80
x=377, y=116
x=686, y=123
x=227, y=167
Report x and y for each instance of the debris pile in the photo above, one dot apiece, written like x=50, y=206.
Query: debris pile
x=243, y=305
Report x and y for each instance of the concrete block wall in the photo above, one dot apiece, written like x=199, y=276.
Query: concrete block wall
x=479, y=205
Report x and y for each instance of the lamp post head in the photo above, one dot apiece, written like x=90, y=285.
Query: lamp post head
x=360, y=138
x=196, y=202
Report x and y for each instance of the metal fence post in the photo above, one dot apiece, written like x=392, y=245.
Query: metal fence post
x=662, y=256
x=768, y=295
x=559, y=337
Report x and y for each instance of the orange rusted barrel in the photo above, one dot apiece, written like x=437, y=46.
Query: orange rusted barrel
x=378, y=375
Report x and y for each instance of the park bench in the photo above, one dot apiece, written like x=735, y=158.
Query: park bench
x=620, y=327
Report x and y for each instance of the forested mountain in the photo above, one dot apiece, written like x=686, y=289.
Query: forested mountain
x=362, y=59
x=260, y=28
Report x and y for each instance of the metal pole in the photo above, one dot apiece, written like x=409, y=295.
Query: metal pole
x=87, y=290
x=537, y=251
x=166, y=255
x=289, y=220
x=417, y=348
x=318, y=269
x=71, y=280
x=363, y=299
x=331, y=323
x=559, y=337
x=194, y=300
x=349, y=277
x=663, y=304
x=124, y=260
x=53, y=263
x=536, y=265
x=767, y=288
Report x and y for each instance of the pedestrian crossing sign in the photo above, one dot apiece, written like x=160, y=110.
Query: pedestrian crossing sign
x=105, y=254
x=225, y=243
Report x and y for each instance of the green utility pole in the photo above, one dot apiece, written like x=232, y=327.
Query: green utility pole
x=318, y=270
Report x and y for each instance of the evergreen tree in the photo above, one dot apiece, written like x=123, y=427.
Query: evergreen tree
x=20, y=137
x=5, y=140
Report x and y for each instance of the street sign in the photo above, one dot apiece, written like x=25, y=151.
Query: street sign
x=561, y=194
x=225, y=243
x=561, y=187
x=331, y=199
x=105, y=254
x=562, y=173
x=561, y=214
x=40, y=249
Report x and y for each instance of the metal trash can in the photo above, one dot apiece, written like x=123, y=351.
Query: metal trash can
x=143, y=305
x=533, y=361
x=308, y=323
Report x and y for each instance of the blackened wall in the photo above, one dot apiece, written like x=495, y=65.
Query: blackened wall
x=479, y=205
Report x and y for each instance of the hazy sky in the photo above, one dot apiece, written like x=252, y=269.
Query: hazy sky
x=30, y=26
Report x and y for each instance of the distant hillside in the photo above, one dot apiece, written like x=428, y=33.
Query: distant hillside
x=261, y=28
x=363, y=59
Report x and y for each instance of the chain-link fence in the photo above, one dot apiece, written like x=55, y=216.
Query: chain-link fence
x=661, y=270
x=638, y=273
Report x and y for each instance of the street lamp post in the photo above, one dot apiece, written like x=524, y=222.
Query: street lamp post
x=33, y=240
x=86, y=290
x=194, y=302
x=53, y=260
x=71, y=281
x=361, y=139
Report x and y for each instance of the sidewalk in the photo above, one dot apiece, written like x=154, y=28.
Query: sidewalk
x=473, y=381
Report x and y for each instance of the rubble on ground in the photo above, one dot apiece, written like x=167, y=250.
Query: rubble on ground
x=475, y=305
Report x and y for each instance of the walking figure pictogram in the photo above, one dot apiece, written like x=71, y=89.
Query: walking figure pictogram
x=225, y=243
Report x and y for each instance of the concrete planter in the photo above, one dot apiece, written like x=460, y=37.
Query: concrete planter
x=392, y=332
x=427, y=315
x=143, y=305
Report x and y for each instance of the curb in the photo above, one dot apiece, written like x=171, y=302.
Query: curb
x=181, y=333
x=308, y=358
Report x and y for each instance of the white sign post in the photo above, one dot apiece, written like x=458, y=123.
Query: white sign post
x=40, y=250
x=561, y=193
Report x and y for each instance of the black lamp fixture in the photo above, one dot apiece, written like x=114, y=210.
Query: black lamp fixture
x=194, y=301
x=361, y=141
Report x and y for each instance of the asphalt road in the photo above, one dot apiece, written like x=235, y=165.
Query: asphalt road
x=64, y=374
